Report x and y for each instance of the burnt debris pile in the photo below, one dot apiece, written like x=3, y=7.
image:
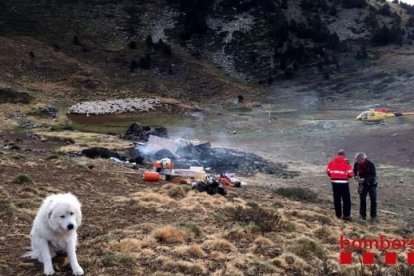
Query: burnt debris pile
x=139, y=133
x=221, y=160
x=155, y=145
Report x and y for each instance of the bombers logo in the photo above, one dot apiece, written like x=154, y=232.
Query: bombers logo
x=388, y=246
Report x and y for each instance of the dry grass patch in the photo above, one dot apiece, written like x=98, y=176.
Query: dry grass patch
x=115, y=259
x=306, y=248
x=217, y=256
x=7, y=208
x=162, y=273
x=175, y=191
x=86, y=139
x=190, y=227
x=209, y=201
x=147, y=253
x=193, y=201
x=327, y=234
x=193, y=250
x=220, y=245
x=289, y=260
x=288, y=226
x=228, y=271
x=311, y=216
x=179, y=266
x=196, y=251
x=257, y=267
x=266, y=220
x=126, y=245
x=148, y=242
x=3, y=193
x=180, y=251
x=238, y=233
x=170, y=234
x=149, y=196
x=265, y=247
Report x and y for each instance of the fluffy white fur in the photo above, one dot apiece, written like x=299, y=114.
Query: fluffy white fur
x=54, y=229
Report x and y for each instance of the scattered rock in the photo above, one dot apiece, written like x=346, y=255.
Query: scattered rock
x=11, y=146
x=49, y=111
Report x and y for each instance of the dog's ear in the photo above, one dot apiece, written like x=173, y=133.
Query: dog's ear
x=78, y=216
x=49, y=211
x=50, y=205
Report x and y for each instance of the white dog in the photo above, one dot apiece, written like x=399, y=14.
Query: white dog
x=54, y=229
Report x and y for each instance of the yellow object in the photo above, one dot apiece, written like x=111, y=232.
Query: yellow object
x=374, y=115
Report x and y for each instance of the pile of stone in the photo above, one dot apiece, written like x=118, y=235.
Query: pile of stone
x=115, y=106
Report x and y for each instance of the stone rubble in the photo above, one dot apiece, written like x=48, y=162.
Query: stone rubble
x=115, y=106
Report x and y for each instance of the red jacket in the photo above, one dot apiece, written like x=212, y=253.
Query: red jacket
x=339, y=170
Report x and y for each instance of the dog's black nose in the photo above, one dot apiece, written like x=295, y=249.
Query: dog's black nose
x=70, y=226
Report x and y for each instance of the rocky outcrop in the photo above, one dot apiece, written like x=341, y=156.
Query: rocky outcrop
x=258, y=41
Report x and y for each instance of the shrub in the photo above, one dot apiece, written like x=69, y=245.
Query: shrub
x=170, y=234
x=297, y=193
x=192, y=18
x=349, y=4
x=145, y=62
x=265, y=219
x=176, y=192
x=221, y=245
x=196, y=251
x=385, y=10
x=163, y=48
x=23, y=179
x=362, y=53
x=132, y=45
x=383, y=36
x=305, y=247
x=190, y=227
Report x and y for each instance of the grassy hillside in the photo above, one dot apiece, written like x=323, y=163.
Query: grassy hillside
x=137, y=228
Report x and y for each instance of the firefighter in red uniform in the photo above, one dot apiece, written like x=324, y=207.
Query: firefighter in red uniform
x=339, y=170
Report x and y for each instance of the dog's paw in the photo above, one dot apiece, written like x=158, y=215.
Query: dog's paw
x=77, y=271
x=48, y=271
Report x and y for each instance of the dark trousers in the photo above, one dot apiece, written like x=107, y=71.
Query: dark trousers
x=341, y=194
x=372, y=191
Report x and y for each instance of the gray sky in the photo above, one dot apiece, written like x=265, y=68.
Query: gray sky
x=411, y=2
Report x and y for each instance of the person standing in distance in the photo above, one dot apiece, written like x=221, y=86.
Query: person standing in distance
x=366, y=174
x=339, y=170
